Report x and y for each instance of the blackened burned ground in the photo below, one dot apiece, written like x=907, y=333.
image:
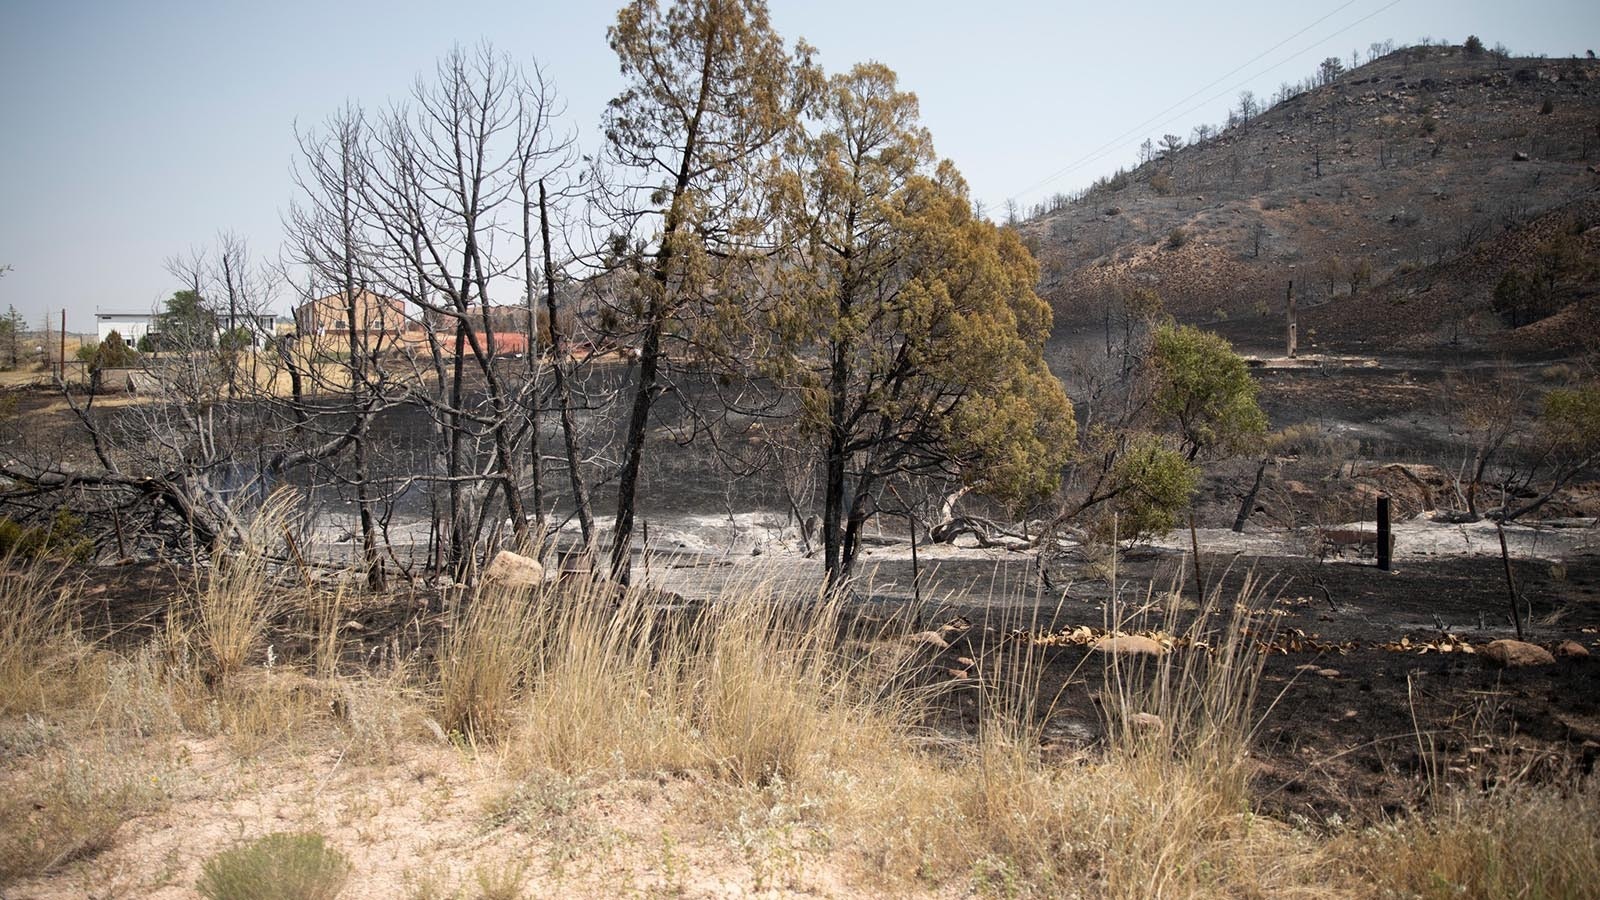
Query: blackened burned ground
x=1364, y=738
x=1354, y=742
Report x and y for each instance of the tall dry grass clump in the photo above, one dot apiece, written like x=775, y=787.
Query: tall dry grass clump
x=586, y=677
x=485, y=657
x=773, y=700
x=239, y=596
x=44, y=663
x=1160, y=809
x=1517, y=840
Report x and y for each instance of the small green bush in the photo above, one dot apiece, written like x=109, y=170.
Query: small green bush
x=1177, y=238
x=62, y=539
x=279, y=866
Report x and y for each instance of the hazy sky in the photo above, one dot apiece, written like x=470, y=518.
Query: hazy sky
x=132, y=131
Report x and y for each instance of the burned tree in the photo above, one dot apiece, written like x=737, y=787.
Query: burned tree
x=710, y=91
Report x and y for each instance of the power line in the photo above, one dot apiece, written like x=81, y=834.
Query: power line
x=1146, y=123
x=1115, y=143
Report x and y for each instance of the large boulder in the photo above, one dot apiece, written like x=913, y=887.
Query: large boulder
x=509, y=569
x=1509, y=654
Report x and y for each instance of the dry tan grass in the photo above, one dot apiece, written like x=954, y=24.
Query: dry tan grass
x=774, y=744
x=238, y=596
x=43, y=662
x=65, y=799
x=1519, y=840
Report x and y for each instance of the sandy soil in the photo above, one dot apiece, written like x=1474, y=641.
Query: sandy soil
x=440, y=818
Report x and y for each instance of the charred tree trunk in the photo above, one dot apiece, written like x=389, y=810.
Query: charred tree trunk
x=569, y=428
x=1249, y=505
x=531, y=388
x=836, y=562
x=1293, y=325
x=638, y=424
x=460, y=542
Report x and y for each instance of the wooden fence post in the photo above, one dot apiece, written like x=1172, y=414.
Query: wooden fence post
x=1385, y=538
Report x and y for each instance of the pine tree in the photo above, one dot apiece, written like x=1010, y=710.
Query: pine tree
x=912, y=330
x=12, y=327
x=710, y=91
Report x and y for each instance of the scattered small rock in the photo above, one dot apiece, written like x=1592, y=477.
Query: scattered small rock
x=1571, y=651
x=1146, y=723
x=1509, y=654
x=928, y=639
x=1129, y=645
x=1519, y=156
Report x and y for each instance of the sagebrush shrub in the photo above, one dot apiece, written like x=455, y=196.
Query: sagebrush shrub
x=280, y=866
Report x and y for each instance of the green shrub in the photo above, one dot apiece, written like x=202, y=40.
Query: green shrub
x=62, y=539
x=1177, y=238
x=279, y=866
x=1157, y=483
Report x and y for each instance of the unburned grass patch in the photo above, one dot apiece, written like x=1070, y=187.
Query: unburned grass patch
x=68, y=806
x=281, y=866
x=1519, y=840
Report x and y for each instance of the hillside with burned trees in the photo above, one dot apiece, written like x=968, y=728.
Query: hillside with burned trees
x=1433, y=197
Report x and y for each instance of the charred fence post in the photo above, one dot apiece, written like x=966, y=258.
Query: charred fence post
x=1385, y=538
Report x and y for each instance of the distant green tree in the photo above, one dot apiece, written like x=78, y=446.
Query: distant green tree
x=236, y=339
x=12, y=326
x=1474, y=45
x=1566, y=441
x=111, y=353
x=1561, y=266
x=1155, y=483
x=1203, y=388
x=187, y=323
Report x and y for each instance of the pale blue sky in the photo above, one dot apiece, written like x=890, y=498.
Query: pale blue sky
x=131, y=131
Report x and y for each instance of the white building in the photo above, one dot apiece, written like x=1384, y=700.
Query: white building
x=134, y=326
x=131, y=326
